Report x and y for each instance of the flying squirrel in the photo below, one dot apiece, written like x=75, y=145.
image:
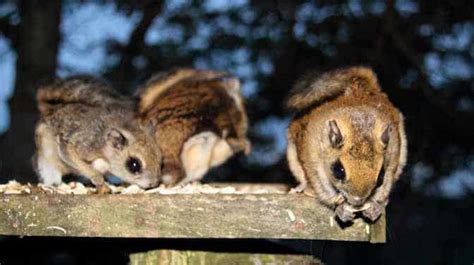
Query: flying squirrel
x=346, y=141
x=88, y=129
x=199, y=120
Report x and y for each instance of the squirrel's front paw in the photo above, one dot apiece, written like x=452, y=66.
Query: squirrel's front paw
x=299, y=189
x=344, y=213
x=103, y=189
x=373, y=211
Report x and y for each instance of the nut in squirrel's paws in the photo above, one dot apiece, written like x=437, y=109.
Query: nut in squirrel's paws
x=358, y=209
x=344, y=213
x=372, y=211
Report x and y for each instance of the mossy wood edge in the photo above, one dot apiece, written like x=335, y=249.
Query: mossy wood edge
x=285, y=216
x=180, y=257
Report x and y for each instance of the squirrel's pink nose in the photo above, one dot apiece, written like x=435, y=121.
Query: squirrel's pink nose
x=147, y=183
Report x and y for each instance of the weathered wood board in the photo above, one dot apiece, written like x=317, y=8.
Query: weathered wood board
x=174, y=257
x=285, y=216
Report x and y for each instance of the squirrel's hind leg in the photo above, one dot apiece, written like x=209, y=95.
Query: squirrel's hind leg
x=172, y=172
x=197, y=154
x=89, y=170
x=296, y=168
x=47, y=162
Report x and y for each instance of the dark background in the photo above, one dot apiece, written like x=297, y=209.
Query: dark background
x=422, y=51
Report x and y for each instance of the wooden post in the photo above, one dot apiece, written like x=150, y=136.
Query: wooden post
x=174, y=257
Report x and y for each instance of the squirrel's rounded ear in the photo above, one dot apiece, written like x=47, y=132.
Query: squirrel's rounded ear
x=335, y=135
x=385, y=137
x=149, y=125
x=117, y=139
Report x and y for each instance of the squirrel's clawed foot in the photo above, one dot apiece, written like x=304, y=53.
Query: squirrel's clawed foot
x=344, y=213
x=374, y=211
x=103, y=189
x=298, y=189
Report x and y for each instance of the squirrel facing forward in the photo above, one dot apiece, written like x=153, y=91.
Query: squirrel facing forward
x=347, y=141
x=86, y=128
x=199, y=120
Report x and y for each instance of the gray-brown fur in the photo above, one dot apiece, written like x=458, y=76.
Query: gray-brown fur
x=194, y=113
x=344, y=116
x=86, y=128
x=85, y=90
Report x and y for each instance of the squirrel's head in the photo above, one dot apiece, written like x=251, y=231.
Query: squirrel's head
x=134, y=157
x=353, y=148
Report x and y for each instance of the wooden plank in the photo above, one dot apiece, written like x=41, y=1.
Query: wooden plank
x=285, y=216
x=175, y=257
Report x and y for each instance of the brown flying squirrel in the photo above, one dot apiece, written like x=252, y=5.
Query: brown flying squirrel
x=347, y=141
x=86, y=128
x=199, y=120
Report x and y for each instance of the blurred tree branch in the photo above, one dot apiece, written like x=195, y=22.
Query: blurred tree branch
x=8, y=30
x=277, y=85
x=459, y=120
x=37, y=43
x=136, y=43
x=447, y=124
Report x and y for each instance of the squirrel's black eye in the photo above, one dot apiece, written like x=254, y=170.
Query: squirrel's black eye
x=338, y=171
x=134, y=165
x=380, y=177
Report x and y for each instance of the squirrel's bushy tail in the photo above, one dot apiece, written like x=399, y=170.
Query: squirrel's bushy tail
x=313, y=89
x=160, y=82
x=79, y=89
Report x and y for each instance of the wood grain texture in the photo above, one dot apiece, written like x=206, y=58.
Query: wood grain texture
x=175, y=257
x=285, y=216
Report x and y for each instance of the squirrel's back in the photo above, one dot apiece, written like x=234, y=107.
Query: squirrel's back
x=314, y=89
x=210, y=98
x=84, y=90
x=163, y=81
